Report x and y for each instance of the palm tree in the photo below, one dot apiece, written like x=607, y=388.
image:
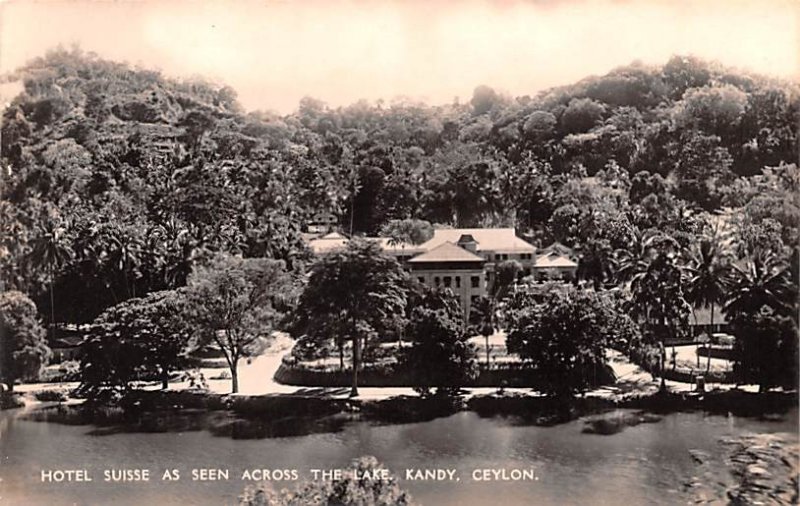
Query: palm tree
x=482, y=318
x=50, y=251
x=765, y=280
x=658, y=299
x=632, y=261
x=708, y=276
x=596, y=263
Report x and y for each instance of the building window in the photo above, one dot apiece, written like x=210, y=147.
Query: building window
x=421, y=280
x=458, y=281
x=447, y=281
x=476, y=281
x=436, y=281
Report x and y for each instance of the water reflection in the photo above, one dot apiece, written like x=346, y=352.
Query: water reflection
x=107, y=421
x=645, y=464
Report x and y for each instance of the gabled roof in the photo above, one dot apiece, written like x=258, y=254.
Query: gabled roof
x=553, y=260
x=447, y=252
x=558, y=249
x=488, y=239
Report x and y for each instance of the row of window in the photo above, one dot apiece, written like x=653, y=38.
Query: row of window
x=447, y=281
x=504, y=256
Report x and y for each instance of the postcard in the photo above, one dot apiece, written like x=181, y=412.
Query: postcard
x=399, y=252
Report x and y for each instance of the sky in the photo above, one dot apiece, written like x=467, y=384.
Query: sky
x=273, y=53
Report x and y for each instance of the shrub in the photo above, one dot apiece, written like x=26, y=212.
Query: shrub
x=348, y=491
x=23, y=347
x=10, y=400
x=50, y=396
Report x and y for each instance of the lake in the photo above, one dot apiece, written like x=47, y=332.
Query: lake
x=644, y=464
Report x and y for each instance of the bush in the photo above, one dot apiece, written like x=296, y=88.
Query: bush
x=23, y=345
x=10, y=400
x=50, y=396
x=350, y=490
x=440, y=355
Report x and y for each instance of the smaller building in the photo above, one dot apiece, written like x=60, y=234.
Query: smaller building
x=555, y=263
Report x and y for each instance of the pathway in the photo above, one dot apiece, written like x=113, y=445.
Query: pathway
x=256, y=377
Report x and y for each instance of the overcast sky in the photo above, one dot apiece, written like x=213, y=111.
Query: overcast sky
x=275, y=52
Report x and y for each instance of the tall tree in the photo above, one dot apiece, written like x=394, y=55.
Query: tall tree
x=51, y=251
x=708, y=275
x=658, y=299
x=23, y=347
x=234, y=301
x=763, y=281
x=360, y=288
x=440, y=355
x=633, y=260
x=766, y=348
x=408, y=231
x=483, y=320
x=564, y=337
x=142, y=336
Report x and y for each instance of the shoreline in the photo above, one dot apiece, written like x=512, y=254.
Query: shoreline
x=149, y=410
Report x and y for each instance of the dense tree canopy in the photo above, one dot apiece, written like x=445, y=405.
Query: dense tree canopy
x=140, y=338
x=118, y=182
x=356, y=293
x=564, y=334
x=440, y=355
x=234, y=301
x=23, y=348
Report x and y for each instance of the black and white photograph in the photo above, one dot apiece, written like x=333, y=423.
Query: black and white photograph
x=386, y=252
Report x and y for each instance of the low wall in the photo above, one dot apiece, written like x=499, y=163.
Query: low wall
x=721, y=353
x=502, y=375
x=683, y=375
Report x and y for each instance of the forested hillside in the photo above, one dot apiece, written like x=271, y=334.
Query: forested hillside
x=116, y=180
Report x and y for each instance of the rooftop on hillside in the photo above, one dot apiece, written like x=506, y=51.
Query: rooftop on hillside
x=500, y=240
x=447, y=252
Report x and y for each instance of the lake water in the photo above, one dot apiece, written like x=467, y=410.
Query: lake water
x=644, y=464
